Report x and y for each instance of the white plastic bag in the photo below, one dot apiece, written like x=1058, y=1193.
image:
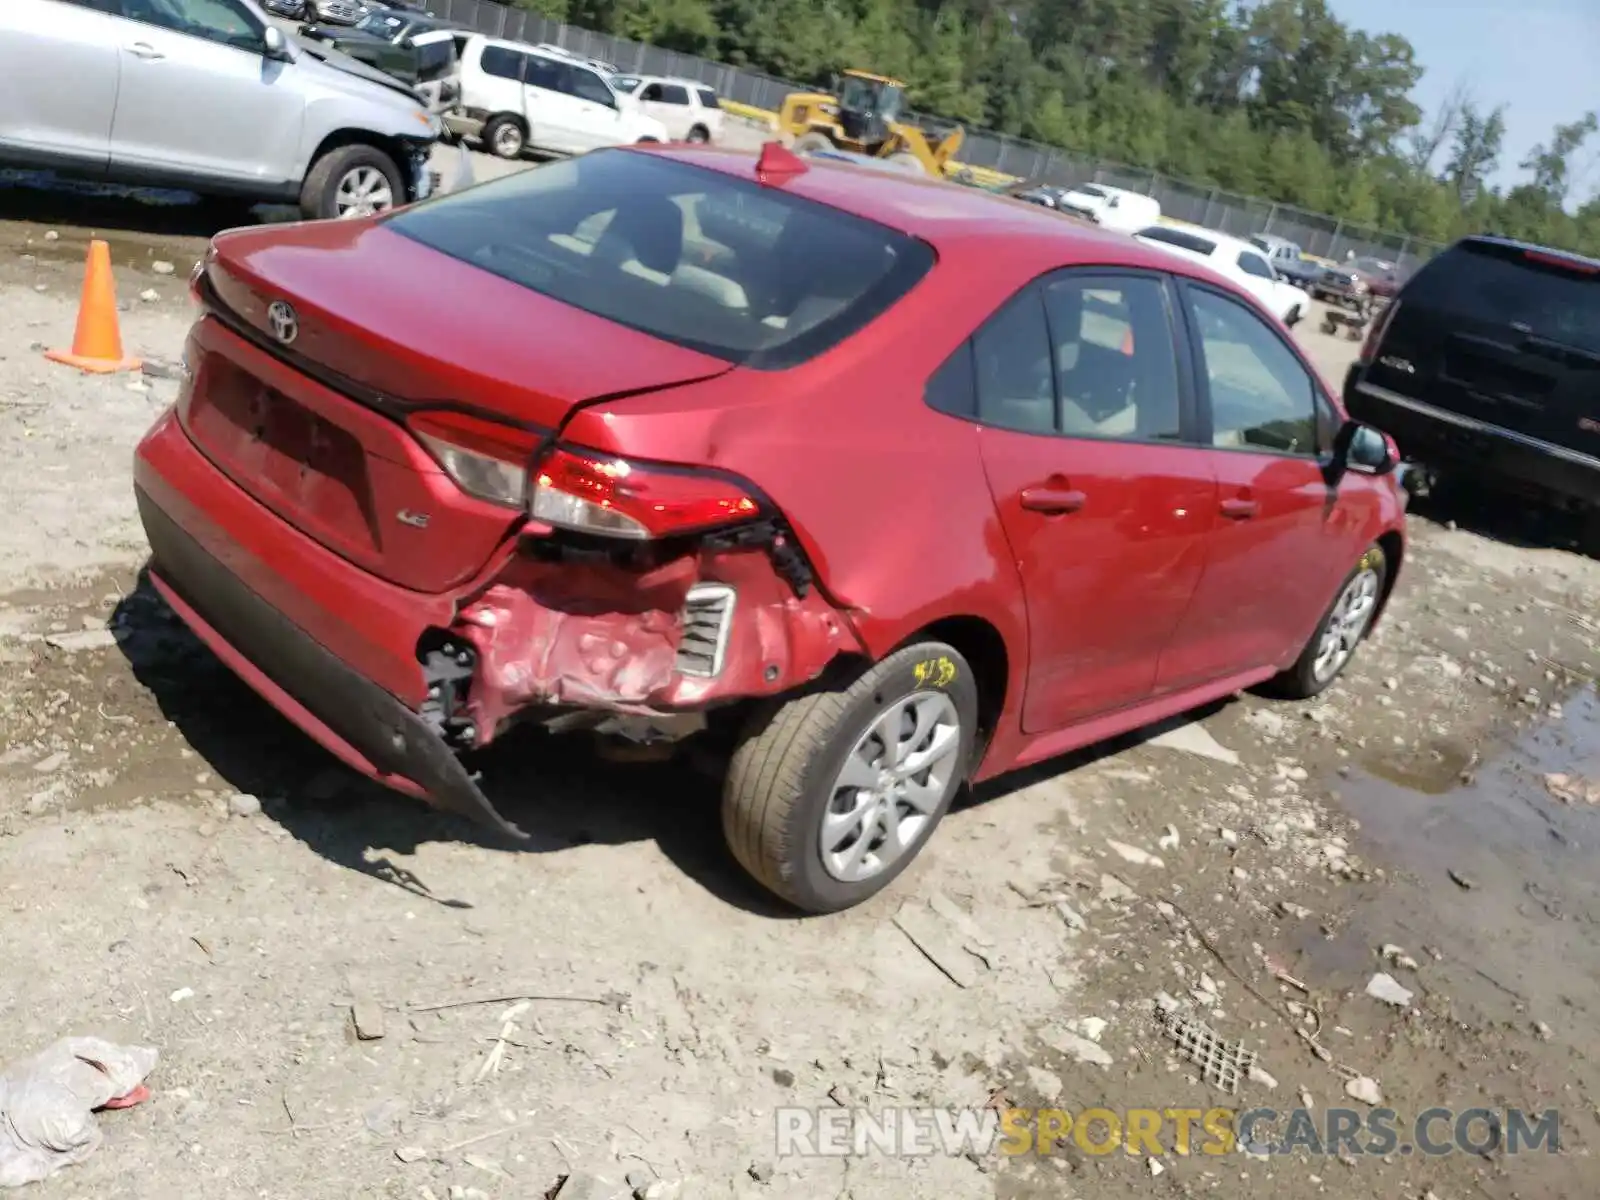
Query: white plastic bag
x=47, y=1103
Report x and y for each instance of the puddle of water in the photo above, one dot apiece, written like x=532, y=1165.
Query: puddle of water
x=1529, y=923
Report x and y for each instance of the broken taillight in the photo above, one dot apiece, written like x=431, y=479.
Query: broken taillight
x=598, y=493
x=484, y=458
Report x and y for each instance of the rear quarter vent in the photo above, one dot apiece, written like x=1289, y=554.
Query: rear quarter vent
x=707, y=620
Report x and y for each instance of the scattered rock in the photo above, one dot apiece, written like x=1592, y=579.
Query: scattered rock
x=1365, y=1090
x=1169, y=839
x=161, y=368
x=1134, y=855
x=243, y=804
x=1394, y=954
x=367, y=1017
x=1078, y=1048
x=1572, y=789
x=1384, y=987
x=1155, y=1166
x=182, y=994
x=1229, y=838
x=783, y=1077
x=411, y=1154
x=1298, y=911
x=1460, y=880
x=163, y=268
x=1070, y=915
x=149, y=295
x=1114, y=891
x=50, y=235
x=1090, y=1027
x=81, y=639
x=1046, y=1083
x=1542, y=1031
x=761, y=1172
x=53, y=762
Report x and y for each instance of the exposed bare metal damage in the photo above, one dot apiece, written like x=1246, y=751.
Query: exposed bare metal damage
x=606, y=637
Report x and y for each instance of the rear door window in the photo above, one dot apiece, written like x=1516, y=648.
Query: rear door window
x=546, y=74
x=1116, y=364
x=1253, y=264
x=1507, y=287
x=586, y=85
x=708, y=98
x=692, y=256
x=671, y=93
x=502, y=62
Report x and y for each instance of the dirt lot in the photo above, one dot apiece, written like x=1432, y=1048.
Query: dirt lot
x=179, y=868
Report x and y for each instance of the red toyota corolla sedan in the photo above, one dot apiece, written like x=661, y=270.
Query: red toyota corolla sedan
x=882, y=484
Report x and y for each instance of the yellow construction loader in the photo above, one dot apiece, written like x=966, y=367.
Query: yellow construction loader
x=864, y=118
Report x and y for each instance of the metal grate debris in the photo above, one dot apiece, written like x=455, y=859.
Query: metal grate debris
x=1222, y=1063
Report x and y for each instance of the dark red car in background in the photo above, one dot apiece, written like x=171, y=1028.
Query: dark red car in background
x=887, y=483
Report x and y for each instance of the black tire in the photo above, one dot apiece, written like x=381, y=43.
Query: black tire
x=806, y=143
x=780, y=782
x=1294, y=316
x=649, y=141
x=319, y=193
x=505, y=136
x=1303, y=681
x=698, y=136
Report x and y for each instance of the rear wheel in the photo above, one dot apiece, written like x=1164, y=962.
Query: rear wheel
x=505, y=137
x=698, y=135
x=1339, y=632
x=352, y=181
x=829, y=798
x=1293, y=318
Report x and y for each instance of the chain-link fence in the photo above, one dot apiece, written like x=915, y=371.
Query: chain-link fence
x=1316, y=234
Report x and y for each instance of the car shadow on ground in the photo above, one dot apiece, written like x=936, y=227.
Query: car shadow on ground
x=556, y=789
x=48, y=200
x=1502, y=517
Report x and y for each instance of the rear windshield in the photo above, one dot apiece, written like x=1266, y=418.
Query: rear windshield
x=1089, y=189
x=1177, y=237
x=721, y=265
x=1504, y=286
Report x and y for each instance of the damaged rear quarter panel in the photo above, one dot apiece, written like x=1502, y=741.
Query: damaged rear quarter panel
x=586, y=635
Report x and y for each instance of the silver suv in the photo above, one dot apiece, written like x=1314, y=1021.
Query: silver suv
x=207, y=96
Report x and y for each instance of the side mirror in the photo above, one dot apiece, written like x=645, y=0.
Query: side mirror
x=1363, y=449
x=274, y=43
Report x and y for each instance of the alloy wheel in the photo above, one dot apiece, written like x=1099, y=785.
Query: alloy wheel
x=363, y=192
x=1352, y=613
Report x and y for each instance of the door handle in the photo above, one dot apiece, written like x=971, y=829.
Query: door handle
x=144, y=50
x=1052, y=501
x=1239, y=509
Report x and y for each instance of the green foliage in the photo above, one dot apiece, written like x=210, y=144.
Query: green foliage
x=1271, y=98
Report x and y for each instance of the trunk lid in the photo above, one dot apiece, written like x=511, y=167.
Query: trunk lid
x=1501, y=334
x=312, y=425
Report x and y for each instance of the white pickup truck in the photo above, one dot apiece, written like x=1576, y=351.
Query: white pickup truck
x=1115, y=208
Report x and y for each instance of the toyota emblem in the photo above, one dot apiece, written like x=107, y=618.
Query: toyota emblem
x=285, y=325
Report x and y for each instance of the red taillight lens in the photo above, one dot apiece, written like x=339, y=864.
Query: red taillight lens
x=1566, y=264
x=1375, y=335
x=484, y=458
x=597, y=493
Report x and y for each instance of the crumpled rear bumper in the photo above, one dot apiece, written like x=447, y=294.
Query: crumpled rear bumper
x=350, y=716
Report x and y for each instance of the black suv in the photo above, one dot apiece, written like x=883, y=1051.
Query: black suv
x=1488, y=363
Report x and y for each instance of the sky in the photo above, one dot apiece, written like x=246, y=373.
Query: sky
x=1535, y=56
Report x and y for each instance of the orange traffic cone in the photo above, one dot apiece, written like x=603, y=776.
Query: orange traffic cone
x=97, y=343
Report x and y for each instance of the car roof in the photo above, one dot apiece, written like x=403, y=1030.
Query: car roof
x=1224, y=241
x=692, y=84
x=941, y=213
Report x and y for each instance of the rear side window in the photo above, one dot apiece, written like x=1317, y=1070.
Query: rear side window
x=1178, y=237
x=586, y=85
x=708, y=98
x=671, y=93
x=1505, y=286
x=1116, y=366
x=546, y=73
x=502, y=63
x=695, y=257
x=1011, y=357
x=1254, y=264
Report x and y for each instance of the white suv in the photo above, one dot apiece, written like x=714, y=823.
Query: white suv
x=688, y=109
x=515, y=97
x=205, y=96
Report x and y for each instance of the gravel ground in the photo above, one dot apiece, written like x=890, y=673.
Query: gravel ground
x=180, y=868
